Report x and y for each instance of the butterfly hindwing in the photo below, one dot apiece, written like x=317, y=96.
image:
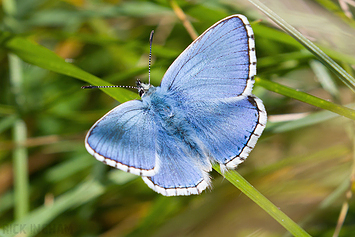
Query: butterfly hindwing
x=230, y=128
x=180, y=173
x=125, y=138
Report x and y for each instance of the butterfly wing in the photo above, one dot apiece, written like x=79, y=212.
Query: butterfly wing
x=178, y=178
x=125, y=138
x=221, y=63
x=179, y=174
x=226, y=138
x=212, y=79
x=211, y=83
x=229, y=129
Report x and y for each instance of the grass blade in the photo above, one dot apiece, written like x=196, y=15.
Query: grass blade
x=44, y=58
x=345, y=77
x=38, y=219
x=307, y=98
x=21, y=181
x=20, y=156
x=238, y=181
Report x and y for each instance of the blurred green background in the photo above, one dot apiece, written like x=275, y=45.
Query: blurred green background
x=51, y=186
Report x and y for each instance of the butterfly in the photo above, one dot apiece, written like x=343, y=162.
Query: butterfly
x=203, y=112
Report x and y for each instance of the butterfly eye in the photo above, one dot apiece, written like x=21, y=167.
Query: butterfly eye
x=140, y=88
x=141, y=92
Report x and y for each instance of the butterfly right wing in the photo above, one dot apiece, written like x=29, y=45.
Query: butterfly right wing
x=212, y=80
x=125, y=138
x=220, y=63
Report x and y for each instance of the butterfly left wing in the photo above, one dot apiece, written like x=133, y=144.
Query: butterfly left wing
x=125, y=138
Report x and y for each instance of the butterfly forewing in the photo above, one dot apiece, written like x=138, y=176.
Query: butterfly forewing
x=125, y=138
x=221, y=63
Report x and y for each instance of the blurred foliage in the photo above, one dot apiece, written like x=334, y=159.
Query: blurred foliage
x=303, y=163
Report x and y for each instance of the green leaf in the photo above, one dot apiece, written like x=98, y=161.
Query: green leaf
x=36, y=220
x=307, y=98
x=42, y=57
x=238, y=181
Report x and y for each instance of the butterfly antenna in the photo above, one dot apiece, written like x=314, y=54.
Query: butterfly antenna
x=131, y=87
x=150, y=52
x=96, y=87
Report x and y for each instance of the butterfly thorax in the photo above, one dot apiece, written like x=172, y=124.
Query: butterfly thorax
x=171, y=117
x=162, y=105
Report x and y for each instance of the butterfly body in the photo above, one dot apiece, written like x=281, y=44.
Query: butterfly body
x=174, y=126
x=202, y=112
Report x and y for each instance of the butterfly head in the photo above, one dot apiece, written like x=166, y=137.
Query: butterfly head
x=142, y=87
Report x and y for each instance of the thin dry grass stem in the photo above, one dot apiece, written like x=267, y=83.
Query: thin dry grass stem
x=287, y=117
x=182, y=16
x=37, y=141
x=48, y=199
x=344, y=6
x=343, y=213
x=348, y=194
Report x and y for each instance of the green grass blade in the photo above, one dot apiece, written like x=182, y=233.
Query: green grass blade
x=68, y=168
x=279, y=36
x=7, y=201
x=21, y=180
x=44, y=58
x=20, y=155
x=238, y=181
x=307, y=98
x=38, y=219
x=335, y=9
x=345, y=77
x=325, y=79
x=7, y=122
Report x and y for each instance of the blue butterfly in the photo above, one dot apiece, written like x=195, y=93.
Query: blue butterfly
x=202, y=112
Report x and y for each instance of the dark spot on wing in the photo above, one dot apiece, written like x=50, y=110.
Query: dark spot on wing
x=252, y=101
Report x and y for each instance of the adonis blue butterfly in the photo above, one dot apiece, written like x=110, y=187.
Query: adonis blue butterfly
x=203, y=112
